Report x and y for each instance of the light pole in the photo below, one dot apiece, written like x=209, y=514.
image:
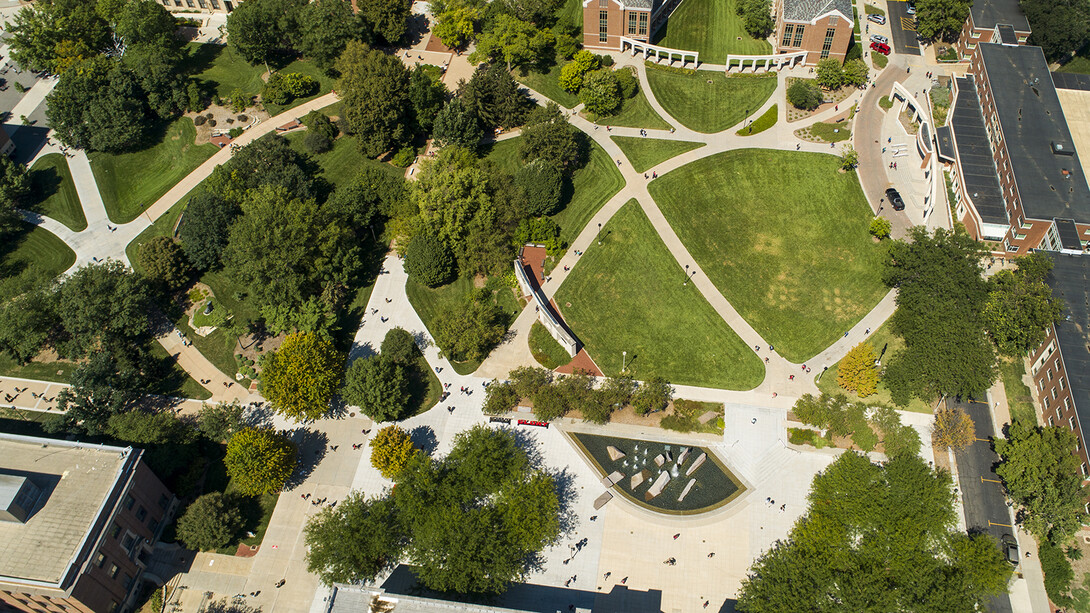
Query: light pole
x=624, y=360
x=599, y=234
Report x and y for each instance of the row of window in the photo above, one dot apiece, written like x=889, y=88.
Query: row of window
x=796, y=30
x=828, y=44
x=637, y=27
x=203, y=4
x=603, y=26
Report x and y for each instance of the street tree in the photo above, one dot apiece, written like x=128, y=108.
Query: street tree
x=830, y=73
x=219, y=421
x=400, y=346
x=300, y=378
x=44, y=35
x=209, y=522
x=652, y=396
x=857, y=372
x=103, y=386
x=952, y=429
x=428, y=95
x=355, y=541
x=756, y=17
x=391, y=450
x=102, y=308
x=259, y=461
x=500, y=397
x=379, y=386
x=264, y=31
x=374, y=87
x=1040, y=469
x=163, y=262
x=541, y=183
x=140, y=22
x=804, y=94
x=468, y=331
x=454, y=27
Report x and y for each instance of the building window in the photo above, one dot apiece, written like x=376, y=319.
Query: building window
x=141, y=513
x=643, y=24
x=113, y=607
x=1046, y=399
x=1051, y=422
x=631, y=23
x=128, y=541
x=799, y=30
x=113, y=571
x=603, y=4
x=153, y=525
x=788, y=30
x=100, y=559
x=603, y=26
x=1071, y=422
x=1063, y=384
x=115, y=531
x=1067, y=404
x=828, y=44
x=1019, y=237
x=833, y=19
x=127, y=582
x=1049, y=373
x=1084, y=469
x=129, y=501
x=1053, y=393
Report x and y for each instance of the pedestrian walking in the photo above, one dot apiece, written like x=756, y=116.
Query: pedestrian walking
x=677, y=535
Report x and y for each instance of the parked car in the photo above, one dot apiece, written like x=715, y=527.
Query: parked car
x=911, y=10
x=878, y=19
x=880, y=48
x=1010, y=549
x=895, y=199
x=878, y=38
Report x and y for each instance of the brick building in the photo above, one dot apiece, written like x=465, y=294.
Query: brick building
x=987, y=15
x=822, y=27
x=1019, y=182
x=1060, y=367
x=606, y=21
x=77, y=525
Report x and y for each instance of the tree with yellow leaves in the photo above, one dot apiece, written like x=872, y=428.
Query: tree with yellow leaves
x=391, y=450
x=857, y=372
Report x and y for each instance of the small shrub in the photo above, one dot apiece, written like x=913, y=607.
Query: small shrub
x=1058, y=573
x=19, y=87
x=428, y=260
x=235, y=132
x=230, y=120
x=212, y=122
x=199, y=120
x=880, y=227
x=283, y=87
x=404, y=157
x=800, y=436
x=316, y=142
x=627, y=81
x=605, y=60
x=210, y=116
x=244, y=118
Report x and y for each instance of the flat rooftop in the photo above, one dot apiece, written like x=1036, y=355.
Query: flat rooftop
x=75, y=480
x=1050, y=179
x=990, y=13
x=1070, y=280
x=1076, y=106
x=981, y=184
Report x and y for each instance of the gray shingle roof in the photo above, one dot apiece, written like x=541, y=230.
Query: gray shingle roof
x=806, y=10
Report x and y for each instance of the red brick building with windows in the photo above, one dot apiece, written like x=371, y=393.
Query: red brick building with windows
x=77, y=525
x=984, y=17
x=1018, y=180
x=606, y=21
x=822, y=27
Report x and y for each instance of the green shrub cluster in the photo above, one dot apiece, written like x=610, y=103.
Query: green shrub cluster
x=283, y=87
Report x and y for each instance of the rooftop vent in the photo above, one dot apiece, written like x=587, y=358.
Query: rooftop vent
x=1062, y=148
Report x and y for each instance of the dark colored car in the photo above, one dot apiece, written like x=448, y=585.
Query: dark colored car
x=880, y=48
x=895, y=199
x=1010, y=549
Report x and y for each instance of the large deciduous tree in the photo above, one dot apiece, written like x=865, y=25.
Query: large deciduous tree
x=468, y=331
x=391, y=450
x=209, y=522
x=300, y=378
x=857, y=372
x=97, y=105
x=1060, y=27
x=374, y=87
x=1020, y=305
x=259, y=461
x=325, y=27
x=263, y=31
x=495, y=97
x=548, y=136
x=205, y=225
x=952, y=429
x=49, y=35
x=941, y=18
x=877, y=537
x=1040, y=470
x=513, y=41
x=378, y=386
x=456, y=124
x=389, y=19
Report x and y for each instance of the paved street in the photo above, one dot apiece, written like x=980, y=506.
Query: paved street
x=903, y=28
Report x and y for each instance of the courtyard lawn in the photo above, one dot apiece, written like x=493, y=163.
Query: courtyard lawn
x=710, y=101
x=646, y=153
x=591, y=186
x=762, y=123
x=341, y=163
x=784, y=236
x=545, y=349
x=711, y=27
x=53, y=193
x=1080, y=63
x=636, y=112
x=429, y=303
x=131, y=182
x=571, y=13
x=629, y=295
x=548, y=84
x=31, y=246
x=222, y=71
x=882, y=338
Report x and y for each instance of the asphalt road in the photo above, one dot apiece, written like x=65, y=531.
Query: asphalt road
x=903, y=28
x=985, y=505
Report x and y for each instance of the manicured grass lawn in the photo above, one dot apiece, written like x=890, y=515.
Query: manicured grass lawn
x=710, y=106
x=547, y=84
x=53, y=192
x=591, y=186
x=1080, y=63
x=1019, y=398
x=881, y=338
x=176, y=382
x=830, y=132
x=571, y=13
x=545, y=349
x=879, y=60
x=629, y=295
x=31, y=246
x=223, y=71
x=762, y=123
x=873, y=10
x=646, y=153
x=429, y=303
x=51, y=371
x=424, y=387
x=784, y=236
x=636, y=112
x=711, y=27
x=131, y=182
x=341, y=163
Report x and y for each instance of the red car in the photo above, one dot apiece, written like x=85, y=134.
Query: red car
x=880, y=48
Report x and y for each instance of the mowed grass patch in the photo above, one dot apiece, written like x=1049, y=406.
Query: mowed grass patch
x=646, y=153
x=547, y=83
x=32, y=247
x=762, y=123
x=628, y=294
x=784, y=236
x=131, y=182
x=53, y=193
x=591, y=186
x=344, y=161
x=223, y=71
x=882, y=339
x=1019, y=398
x=709, y=101
x=545, y=349
x=636, y=112
x=712, y=27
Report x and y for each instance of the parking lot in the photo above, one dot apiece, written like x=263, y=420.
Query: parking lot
x=902, y=28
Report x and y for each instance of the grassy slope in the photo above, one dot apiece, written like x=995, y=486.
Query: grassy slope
x=547, y=84
x=645, y=153
x=636, y=112
x=131, y=182
x=713, y=28
x=784, y=236
x=628, y=295
x=34, y=246
x=223, y=71
x=710, y=107
x=53, y=192
x=762, y=123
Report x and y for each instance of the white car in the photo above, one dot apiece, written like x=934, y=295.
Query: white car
x=878, y=38
x=911, y=10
